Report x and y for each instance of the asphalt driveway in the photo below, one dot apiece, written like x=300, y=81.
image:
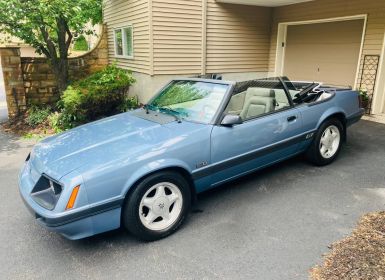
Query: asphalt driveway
x=274, y=224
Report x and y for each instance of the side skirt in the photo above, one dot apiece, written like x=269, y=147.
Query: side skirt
x=221, y=166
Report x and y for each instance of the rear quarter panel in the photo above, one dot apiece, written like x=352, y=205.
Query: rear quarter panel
x=314, y=114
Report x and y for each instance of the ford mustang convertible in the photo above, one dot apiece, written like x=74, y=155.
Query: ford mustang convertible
x=143, y=169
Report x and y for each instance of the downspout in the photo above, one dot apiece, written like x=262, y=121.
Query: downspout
x=204, y=36
x=151, y=39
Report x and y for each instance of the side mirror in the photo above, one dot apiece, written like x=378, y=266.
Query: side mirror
x=230, y=120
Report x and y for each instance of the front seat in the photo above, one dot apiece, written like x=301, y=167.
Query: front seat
x=258, y=101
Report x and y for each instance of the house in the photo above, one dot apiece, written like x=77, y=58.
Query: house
x=339, y=42
x=10, y=41
x=26, y=50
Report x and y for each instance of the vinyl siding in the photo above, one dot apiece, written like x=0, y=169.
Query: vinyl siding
x=322, y=9
x=121, y=13
x=238, y=38
x=177, y=36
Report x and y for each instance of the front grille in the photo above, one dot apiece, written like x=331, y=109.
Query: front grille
x=46, y=192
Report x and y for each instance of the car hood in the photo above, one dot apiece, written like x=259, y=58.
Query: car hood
x=58, y=155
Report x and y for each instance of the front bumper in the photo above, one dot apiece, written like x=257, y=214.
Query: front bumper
x=75, y=224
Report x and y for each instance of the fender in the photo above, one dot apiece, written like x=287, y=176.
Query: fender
x=152, y=167
x=329, y=112
x=71, y=181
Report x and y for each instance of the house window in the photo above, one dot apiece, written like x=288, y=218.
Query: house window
x=124, y=42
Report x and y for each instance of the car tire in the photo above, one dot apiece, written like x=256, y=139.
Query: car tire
x=327, y=143
x=157, y=206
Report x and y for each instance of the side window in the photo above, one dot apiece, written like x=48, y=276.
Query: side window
x=118, y=42
x=236, y=104
x=281, y=99
x=123, y=38
x=258, y=97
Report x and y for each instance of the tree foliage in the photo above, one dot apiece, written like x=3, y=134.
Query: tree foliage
x=179, y=92
x=49, y=26
x=81, y=44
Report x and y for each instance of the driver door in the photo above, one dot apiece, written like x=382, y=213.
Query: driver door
x=262, y=139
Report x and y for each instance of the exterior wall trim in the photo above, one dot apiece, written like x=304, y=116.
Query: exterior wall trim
x=323, y=20
x=129, y=57
x=151, y=35
x=282, y=36
x=379, y=91
x=204, y=36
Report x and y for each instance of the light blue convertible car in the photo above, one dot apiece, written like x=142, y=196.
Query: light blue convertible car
x=143, y=169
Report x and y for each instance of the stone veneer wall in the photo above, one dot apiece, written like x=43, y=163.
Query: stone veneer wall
x=13, y=80
x=33, y=79
x=39, y=81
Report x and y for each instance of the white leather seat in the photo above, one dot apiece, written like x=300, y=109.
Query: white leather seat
x=258, y=101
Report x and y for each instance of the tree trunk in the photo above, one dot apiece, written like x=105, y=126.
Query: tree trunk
x=61, y=71
x=58, y=55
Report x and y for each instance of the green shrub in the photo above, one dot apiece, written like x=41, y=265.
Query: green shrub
x=100, y=95
x=55, y=122
x=129, y=103
x=81, y=44
x=364, y=95
x=72, y=113
x=38, y=115
x=109, y=80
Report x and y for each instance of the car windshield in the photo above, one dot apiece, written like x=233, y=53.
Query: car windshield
x=191, y=100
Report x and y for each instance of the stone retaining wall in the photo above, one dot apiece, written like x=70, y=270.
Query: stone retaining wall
x=33, y=80
x=39, y=81
x=13, y=80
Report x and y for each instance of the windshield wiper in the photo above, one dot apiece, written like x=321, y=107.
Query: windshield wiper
x=145, y=107
x=149, y=107
x=173, y=112
x=164, y=109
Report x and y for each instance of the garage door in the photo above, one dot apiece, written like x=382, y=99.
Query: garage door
x=325, y=52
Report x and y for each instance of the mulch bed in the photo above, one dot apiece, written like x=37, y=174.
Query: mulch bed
x=358, y=256
x=18, y=126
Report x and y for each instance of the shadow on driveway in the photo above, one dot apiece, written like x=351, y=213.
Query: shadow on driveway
x=272, y=224
x=9, y=143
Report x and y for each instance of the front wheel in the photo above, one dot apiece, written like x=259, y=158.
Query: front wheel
x=327, y=143
x=157, y=206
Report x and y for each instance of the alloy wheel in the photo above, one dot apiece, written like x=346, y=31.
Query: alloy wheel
x=160, y=206
x=330, y=142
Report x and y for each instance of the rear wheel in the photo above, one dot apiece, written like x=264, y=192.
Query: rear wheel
x=157, y=206
x=327, y=143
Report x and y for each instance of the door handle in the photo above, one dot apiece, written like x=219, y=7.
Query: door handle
x=291, y=119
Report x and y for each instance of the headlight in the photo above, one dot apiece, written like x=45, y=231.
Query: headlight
x=46, y=192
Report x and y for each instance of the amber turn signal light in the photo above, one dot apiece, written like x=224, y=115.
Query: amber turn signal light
x=71, y=201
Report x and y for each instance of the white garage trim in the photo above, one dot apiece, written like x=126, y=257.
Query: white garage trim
x=282, y=36
x=378, y=105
